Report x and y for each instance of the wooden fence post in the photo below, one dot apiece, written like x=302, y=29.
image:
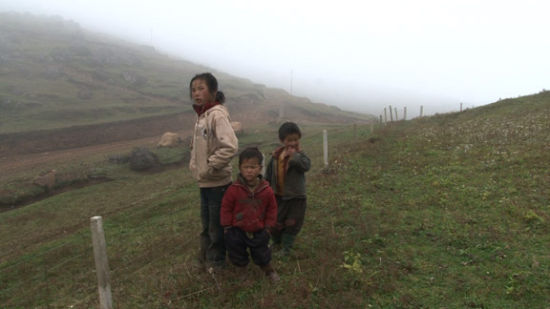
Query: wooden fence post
x=461, y=107
x=101, y=263
x=325, y=147
x=405, y=113
x=421, y=110
x=396, y=117
x=385, y=116
x=391, y=114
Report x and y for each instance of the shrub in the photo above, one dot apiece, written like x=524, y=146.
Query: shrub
x=143, y=159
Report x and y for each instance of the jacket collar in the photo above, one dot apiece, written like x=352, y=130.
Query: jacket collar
x=201, y=109
x=278, y=151
x=242, y=183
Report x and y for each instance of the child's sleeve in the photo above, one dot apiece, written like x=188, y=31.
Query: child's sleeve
x=226, y=211
x=228, y=145
x=300, y=161
x=271, y=211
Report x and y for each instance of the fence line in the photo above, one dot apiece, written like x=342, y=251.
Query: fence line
x=395, y=117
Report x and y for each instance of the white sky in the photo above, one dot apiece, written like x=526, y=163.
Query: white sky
x=359, y=55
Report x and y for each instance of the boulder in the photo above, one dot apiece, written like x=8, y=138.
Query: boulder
x=143, y=159
x=237, y=127
x=169, y=139
x=46, y=180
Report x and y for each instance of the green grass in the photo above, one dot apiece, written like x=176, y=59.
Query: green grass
x=19, y=188
x=449, y=211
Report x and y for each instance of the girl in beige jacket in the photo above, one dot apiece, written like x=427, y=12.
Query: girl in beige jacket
x=214, y=145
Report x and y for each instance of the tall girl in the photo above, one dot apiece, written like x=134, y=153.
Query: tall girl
x=214, y=145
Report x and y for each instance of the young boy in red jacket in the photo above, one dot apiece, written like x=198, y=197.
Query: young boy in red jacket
x=248, y=212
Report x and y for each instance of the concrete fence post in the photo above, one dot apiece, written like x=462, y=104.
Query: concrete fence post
x=325, y=147
x=405, y=113
x=396, y=117
x=101, y=263
x=421, y=110
x=391, y=114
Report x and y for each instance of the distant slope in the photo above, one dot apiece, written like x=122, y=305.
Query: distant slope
x=54, y=75
x=511, y=123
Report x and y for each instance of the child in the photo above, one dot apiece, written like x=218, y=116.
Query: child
x=214, y=145
x=248, y=212
x=286, y=173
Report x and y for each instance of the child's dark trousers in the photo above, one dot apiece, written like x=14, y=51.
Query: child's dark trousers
x=237, y=241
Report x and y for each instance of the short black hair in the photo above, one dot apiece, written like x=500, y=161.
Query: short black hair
x=288, y=128
x=212, y=84
x=250, y=153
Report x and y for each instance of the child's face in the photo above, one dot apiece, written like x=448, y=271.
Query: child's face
x=200, y=92
x=250, y=169
x=292, y=141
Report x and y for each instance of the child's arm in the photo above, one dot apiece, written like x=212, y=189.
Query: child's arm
x=228, y=143
x=228, y=204
x=271, y=211
x=300, y=161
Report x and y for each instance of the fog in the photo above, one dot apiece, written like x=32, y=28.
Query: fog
x=358, y=55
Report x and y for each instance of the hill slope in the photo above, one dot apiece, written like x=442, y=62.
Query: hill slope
x=445, y=211
x=54, y=75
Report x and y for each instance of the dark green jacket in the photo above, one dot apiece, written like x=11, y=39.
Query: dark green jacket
x=295, y=178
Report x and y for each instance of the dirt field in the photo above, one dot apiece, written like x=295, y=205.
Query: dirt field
x=36, y=150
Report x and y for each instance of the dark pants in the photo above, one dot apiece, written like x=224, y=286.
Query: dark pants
x=290, y=216
x=212, y=244
x=237, y=241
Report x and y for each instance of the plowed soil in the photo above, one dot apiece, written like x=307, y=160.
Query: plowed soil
x=28, y=151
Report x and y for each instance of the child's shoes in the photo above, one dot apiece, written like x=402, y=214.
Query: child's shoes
x=274, y=277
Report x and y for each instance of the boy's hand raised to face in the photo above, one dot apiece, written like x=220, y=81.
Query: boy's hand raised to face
x=292, y=149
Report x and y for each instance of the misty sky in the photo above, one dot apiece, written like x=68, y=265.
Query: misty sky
x=358, y=55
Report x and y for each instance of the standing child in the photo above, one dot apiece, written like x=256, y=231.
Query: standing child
x=214, y=145
x=248, y=212
x=286, y=173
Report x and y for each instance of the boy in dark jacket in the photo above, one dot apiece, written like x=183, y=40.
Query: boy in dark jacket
x=286, y=174
x=248, y=212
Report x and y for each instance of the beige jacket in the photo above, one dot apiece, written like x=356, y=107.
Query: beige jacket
x=214, y=145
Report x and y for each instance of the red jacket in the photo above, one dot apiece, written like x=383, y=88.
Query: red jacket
x=247, y=210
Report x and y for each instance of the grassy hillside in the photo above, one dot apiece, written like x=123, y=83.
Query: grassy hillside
x=449, y=211
x=54, y=74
